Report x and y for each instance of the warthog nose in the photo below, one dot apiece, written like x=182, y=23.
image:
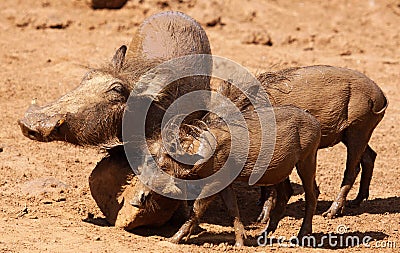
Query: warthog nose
x=29, y=132
x=33, y=134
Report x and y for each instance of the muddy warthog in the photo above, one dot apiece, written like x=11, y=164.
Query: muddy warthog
x=297, y=138
x=92, y=113
x=113, y=184
x=348, y=105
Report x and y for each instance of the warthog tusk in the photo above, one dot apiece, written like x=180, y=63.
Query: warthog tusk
x=60, y=122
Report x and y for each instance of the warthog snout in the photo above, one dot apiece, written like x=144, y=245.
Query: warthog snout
x=41, y=127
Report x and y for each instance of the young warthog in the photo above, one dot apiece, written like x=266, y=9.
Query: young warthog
x=297, y=138
x=92, y=113
x=348, y=105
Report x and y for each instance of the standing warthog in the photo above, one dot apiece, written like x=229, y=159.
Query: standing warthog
x=348, y=105
x=92, y=113
x=297, y=138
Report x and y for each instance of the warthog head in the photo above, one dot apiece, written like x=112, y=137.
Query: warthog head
x=176, y=157
x=92, y=113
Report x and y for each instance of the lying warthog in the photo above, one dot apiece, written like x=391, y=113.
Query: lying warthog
x=113, y=184
x=348, y=105
x=297, y=138
x=92, y=113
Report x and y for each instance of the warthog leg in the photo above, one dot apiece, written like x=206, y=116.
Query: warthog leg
x=229, y=197
x=278, y=194
x=263, y=193
x=306, y=170
x=270, y=194
x=367, y=165
x=200, y=206
x=356, y=141
x=284, y=192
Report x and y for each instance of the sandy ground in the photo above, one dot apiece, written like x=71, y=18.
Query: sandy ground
x=46, y=47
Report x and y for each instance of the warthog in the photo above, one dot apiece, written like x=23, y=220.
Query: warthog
x=297, y=138
x=348, y=105
x=113, y=184
x=92, y=113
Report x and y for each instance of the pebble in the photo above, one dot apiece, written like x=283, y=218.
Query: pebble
x=47, y=201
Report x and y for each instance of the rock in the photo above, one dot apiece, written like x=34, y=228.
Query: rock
x=108, y=4
x=214, y=22
x=258, y=38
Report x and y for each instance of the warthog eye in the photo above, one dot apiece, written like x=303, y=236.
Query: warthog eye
x=116, y=87
x=117, y=92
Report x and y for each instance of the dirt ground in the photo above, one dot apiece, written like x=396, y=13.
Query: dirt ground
x=46, y=47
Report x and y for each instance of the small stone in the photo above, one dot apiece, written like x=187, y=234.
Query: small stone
x=60, y=199
x=214, y=22
x=208, y=245
x=22, y=212
x=47, y=201
x=259, y=37
x=346, y=53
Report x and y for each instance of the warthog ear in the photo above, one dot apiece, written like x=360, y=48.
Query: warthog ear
x=119, y=58
x=252, y=91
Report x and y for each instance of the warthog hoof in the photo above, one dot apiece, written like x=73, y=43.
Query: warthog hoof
x=304, y=232
x=334, y=211
x=239, y=244
x=174, y=239
x=263, y=217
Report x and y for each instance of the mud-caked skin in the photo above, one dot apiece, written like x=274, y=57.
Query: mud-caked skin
x=297, y=138
x=92, y=113
x=348, y=105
